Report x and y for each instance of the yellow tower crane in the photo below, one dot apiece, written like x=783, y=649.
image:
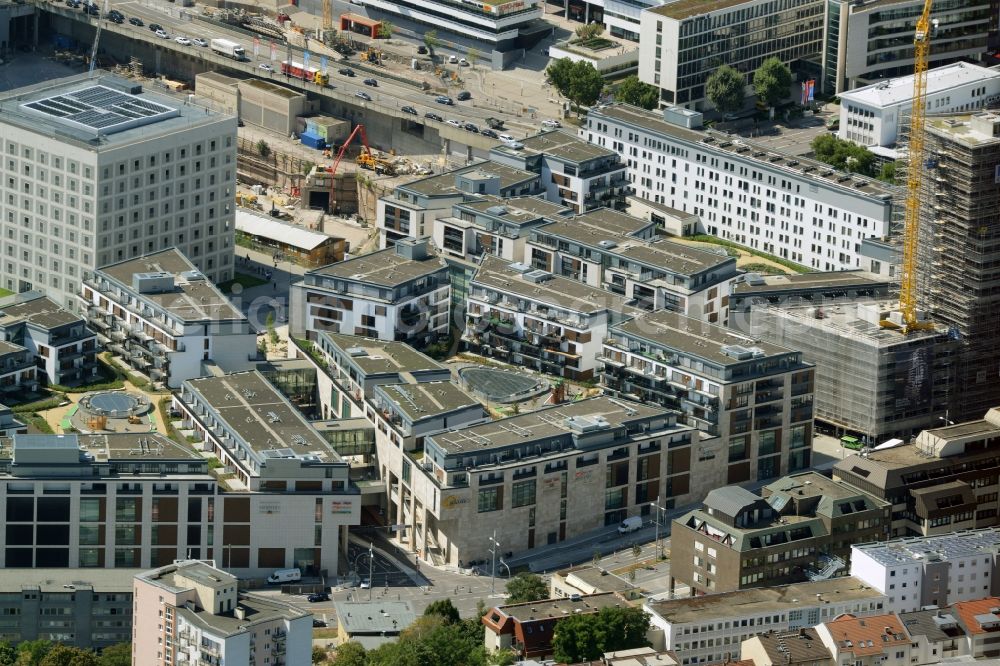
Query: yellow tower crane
x=915, y=173
x=327, y=16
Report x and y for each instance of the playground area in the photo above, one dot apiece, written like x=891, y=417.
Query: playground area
x=110, y=411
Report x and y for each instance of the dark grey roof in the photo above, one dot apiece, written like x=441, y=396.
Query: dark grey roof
x=730, y=500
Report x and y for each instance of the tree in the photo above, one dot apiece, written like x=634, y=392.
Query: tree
x=349, y=654
x=726, y=89
x=65, y=655
x=431, y=41
x=318, y=655
x=772, y=81
x=116, y=655
x=844, y=155
x=577, y=638
x=624, y=628
x=589, y=31
x=888, y=172
x=263, y=149
x=560, y=74
x=526, y=587
x=8, y=655
x=472, y=55
x=579, y=81
x=31, y=653
x=385, y=30
x=444, y=609
x=633, y=91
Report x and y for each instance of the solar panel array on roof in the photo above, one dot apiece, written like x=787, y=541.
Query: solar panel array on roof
x=102, y=109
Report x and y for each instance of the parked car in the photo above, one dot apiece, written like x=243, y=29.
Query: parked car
x=363, y=95
x=162, y=34
x=506, y=138
x=469, y=127
x=462, y=62
x=346, y=71
x=183, y=41
x=444, y=99
x=410, y=110
x=318, y=596
x=453, y=59
x=136, y=21
x=371, y=82
x=75, y=4
x=551, y=124
x=488, y=133
x=422, y=50
x=264, y=66
x=318, y=623
x=198, y=41
x=464, y=95
x=454, y=123
x=365, y=584
x=433, y=116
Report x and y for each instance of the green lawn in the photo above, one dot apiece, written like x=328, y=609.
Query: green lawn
x=242, y=279
x=5, y=292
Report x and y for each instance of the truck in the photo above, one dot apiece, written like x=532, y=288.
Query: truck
x=229, y=48
x=630, y=525
x=284, y=576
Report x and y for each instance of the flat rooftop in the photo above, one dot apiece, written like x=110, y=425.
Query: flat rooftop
x=445, y=183
x=256, y=609
x=548, y=609
x=562, y=146
x=386, y=268
x=62, y=581
x=504, y=210
x=261, y=416
x=103, y=448
x=682, y=9
x=761, y=600
x=963, y=128
x=427, y=399
x=858, y=321
x=378, y=357
x=9, y=348
x=374, y=617
x=613, y=222
x=496, y=273
x=79, y=109
x=943, y=546
x=272, y=88
x=543, y=424
x=740, y=148
x=194, y=298
x=900, y=89
x=40, y=311
x=834, y=280
x=693, y=337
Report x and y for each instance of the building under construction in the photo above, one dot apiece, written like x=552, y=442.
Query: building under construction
x=871, y=382
x=959, y=282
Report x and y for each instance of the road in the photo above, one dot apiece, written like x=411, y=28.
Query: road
x=389, y=94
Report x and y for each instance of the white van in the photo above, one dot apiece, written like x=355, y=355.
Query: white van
x=284, y=576
x=630, y=525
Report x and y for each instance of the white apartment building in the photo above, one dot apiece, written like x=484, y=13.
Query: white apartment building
x=872, y=115
x=98, y=170
x=711, y=628
x=792, y=207
x=400, y=293
x=865, y=41
x=164, y=318
x=938, y=570
x=191, y=612
x=681, y=42
x=532, y=318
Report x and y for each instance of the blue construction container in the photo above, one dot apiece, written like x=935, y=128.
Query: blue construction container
x=313, y=141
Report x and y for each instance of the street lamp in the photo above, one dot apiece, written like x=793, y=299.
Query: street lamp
x=493, y=569
x=505, y=564
x=371, y=562
x=657, y=521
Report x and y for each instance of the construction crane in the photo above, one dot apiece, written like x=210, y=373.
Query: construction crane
x=367, y=159
x=327, y=17
x=915, y=173
x=97, y=39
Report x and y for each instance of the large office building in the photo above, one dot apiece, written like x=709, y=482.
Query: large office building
x=799, y=528
x=681, y=42
x=99, y=170
x=865, y=41
x=292, y=496
x=164, y=318
x=400, y=293
x=959, y=247
x=191, y=612
x=792, y=207
x=752, y=401
x=944, y=480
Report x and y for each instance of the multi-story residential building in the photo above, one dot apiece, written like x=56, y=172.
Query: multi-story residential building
x=958, y=207
x=502, y=30
x=532, y=318
x=295, y=496
x=877, y=640
x=9, y=425
x=872, y=115
x=943, y=481
x=980, y=622
x=521, y=475
x=710, y=628
x=400, y=293
x=682, y=42
x=190, y=612
x=528, y=628
x=574, y=173
x=410, y=210
x=87, y=608
x=937, y=635
x=64, y=349
x=871, y=381
x=800, y=527
x=801, y=647
x=99, y=170
x=929, y=571
x=163, y=317
x=790, y=206
x=868, y=40
x=17, y=369
x=614, y=251
x=752, y=400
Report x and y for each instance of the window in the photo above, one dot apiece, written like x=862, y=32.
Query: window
x=490, y=499
x=738, y=449
x=523, y=493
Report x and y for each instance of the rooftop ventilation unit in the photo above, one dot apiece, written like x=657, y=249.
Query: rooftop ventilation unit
x=537, y=276
x=152, y=283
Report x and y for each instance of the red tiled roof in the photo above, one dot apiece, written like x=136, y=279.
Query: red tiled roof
x=968, y=610
x=867, y=635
